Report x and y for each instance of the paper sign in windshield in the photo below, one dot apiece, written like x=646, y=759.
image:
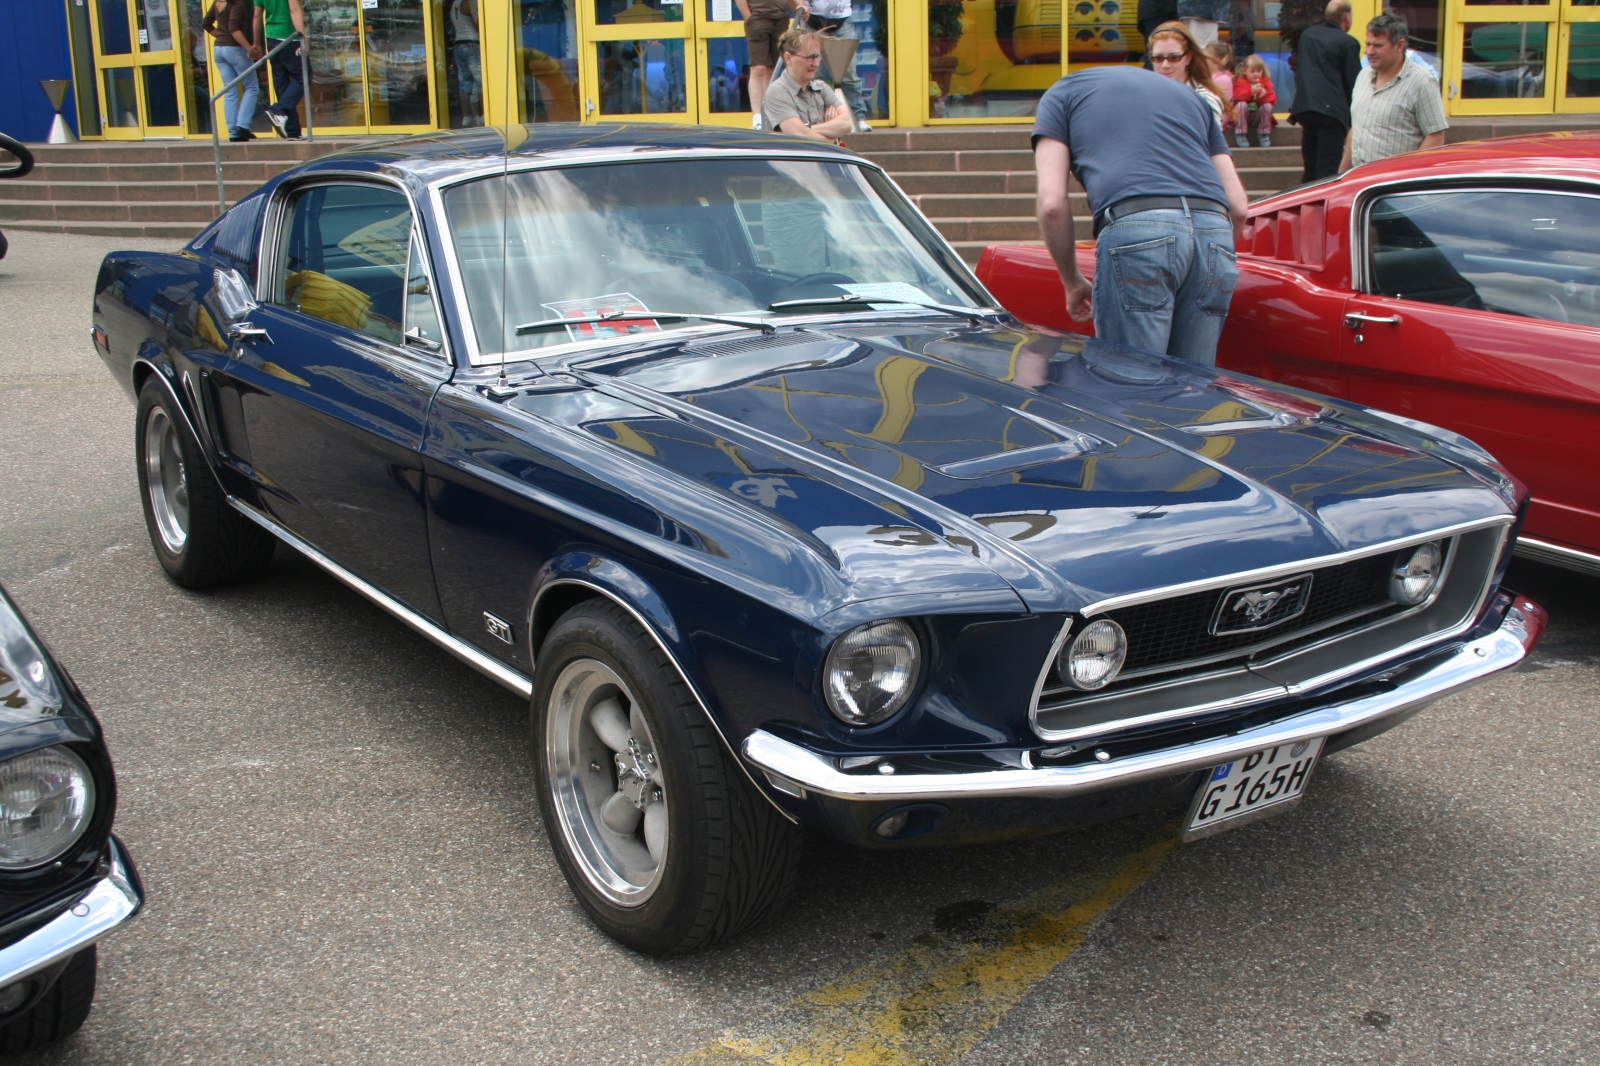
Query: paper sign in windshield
x=608, y=304
x=887, y=294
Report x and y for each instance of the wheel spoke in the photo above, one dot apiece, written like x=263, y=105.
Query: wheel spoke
x=611, y=725
x=655, y=830
x=620, y=815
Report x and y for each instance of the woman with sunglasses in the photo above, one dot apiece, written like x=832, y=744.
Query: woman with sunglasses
x=1174, y=54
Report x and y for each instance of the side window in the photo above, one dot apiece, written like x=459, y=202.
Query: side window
x=1533, y=254
x=422, y=314
x=343, y=257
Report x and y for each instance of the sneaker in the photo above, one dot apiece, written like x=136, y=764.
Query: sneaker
x=755, y=121
x=280, y=122
x=863, y=126
x=1242, y=142
x=1266, y=141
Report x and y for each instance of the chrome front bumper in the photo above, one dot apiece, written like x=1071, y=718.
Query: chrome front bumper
x=792, y=768
x=112, y=900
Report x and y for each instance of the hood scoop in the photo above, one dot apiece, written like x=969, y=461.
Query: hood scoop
x=1072, y=445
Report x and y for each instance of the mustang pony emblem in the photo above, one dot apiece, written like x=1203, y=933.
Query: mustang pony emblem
x=1261, y=607
x=1258, y=604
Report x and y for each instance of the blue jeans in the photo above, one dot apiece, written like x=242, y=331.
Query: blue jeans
x=1163, y=281
x=239, y=103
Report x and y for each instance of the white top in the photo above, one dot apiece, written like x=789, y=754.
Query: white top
x=466, y=28
x=830, y=9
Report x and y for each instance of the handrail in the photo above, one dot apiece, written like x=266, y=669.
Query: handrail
x=305, y=80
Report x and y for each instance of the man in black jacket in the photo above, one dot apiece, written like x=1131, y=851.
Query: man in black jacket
x=1327, y=62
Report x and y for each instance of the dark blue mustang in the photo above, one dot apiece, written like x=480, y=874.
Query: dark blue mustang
x=710, y=445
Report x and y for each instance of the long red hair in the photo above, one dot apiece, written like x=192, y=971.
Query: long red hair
x=1200, y=69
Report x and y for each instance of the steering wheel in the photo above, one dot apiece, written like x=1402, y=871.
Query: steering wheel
x=825, y=278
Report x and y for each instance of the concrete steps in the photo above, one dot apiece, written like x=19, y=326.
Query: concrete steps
x=143, y=188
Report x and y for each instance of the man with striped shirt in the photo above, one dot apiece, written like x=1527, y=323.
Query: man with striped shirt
x=1395, y=107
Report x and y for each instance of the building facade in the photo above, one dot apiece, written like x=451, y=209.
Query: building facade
x=141, y=69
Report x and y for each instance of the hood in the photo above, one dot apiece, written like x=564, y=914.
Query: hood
x=1071, y=469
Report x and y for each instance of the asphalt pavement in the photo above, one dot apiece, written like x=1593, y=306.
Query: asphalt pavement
x=336, y=825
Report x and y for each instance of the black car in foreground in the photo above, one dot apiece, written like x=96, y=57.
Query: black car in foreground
x=65, y=881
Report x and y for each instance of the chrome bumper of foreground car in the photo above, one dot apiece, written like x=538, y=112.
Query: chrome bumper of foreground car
x=112, y=900
x=792, y=768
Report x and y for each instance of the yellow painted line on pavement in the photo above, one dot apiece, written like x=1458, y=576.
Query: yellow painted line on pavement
x=932, y=1004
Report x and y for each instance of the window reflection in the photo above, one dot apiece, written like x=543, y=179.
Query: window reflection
x=397, y=64
x=548, y=58
x=1503, y=60
x=336, y=95
x=641, y=77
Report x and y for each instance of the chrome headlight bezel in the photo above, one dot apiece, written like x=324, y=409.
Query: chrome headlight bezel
x=903, y=671
x=1111, y=660
x=1415, y=579
x=60, y=777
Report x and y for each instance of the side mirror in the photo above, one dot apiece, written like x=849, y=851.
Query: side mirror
x=233, y=294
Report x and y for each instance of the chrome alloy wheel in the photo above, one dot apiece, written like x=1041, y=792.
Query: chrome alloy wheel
x=610, y=794
x=165, y=482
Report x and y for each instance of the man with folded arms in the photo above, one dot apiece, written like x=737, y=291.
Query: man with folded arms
x=800, y=103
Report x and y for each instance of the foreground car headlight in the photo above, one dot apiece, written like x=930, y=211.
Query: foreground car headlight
x=1414, y=580
x=46, y=802
x=871, y=671
x=1094, y=657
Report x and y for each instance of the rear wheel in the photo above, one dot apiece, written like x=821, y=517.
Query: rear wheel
x=58, y=1014
x=200, y=540
x=664, y=841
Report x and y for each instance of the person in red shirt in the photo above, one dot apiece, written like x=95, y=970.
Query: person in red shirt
x=1253, y=97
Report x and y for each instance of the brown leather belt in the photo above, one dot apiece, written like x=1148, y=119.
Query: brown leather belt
x=1123, y=208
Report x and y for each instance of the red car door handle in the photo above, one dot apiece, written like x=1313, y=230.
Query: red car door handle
x=1355, y=320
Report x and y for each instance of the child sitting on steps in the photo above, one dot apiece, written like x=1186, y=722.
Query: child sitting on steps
x=1253, y=97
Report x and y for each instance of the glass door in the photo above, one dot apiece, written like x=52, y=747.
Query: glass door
x=1500, y=60
x=641, y=63
x=547, y=45
x=1578, y=57
x=723, y=87
x=369, y=66
x=136, y=67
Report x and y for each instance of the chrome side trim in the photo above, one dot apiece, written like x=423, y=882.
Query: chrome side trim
x=533, y=612
x=1555, y=555
x=1474, y=662
x=468, y=654
x=1044, y=671
x=110, y=903
x=1286, y=569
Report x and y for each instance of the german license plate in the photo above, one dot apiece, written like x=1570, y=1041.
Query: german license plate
x=1266, y=782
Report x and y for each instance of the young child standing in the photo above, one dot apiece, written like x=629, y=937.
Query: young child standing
x=1253, y=97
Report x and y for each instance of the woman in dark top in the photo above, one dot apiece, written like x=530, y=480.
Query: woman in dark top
x=229, y=23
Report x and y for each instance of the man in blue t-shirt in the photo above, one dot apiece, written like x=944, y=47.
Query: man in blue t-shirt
x=1166, y=200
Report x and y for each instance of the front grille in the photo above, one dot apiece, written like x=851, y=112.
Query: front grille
x=1171, y=632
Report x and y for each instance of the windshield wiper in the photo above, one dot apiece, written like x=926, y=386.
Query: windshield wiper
x=547, y=324
x=973, y=314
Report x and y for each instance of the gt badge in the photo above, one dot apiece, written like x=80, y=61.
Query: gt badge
x=498, y=628
x=1258, y=607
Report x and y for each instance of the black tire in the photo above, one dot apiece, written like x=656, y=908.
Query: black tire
x=203, y=542
x=59, y=1013
x=730, y=857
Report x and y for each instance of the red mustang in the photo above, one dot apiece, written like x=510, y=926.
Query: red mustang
x=1458, y=286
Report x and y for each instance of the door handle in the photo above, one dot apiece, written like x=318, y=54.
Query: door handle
x=1355, y=320
x=241, y=332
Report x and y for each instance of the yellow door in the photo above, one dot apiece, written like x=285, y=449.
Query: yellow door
x=1577, y=73
x=140, y=84
x=1500, y=60
x=369, y=65
x=722, y=97
x=638, y=60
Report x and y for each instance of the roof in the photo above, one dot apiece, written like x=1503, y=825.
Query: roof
x=1556, y=153
x=472, y=148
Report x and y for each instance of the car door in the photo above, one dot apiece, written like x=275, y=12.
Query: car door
x=1479, y=311
x=334, y=385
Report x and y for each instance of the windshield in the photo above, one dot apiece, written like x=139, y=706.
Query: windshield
x=703, y=236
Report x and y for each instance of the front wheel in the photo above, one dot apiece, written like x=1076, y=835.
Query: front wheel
x=200, y=540
x=664, y=841
x=57, y=1014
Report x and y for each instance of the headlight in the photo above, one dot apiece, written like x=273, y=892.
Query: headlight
x=46, y=801
x=1413, y=580
x=1094, y=657
x=871, y=671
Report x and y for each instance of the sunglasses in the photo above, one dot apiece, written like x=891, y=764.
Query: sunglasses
x=1170, y=58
